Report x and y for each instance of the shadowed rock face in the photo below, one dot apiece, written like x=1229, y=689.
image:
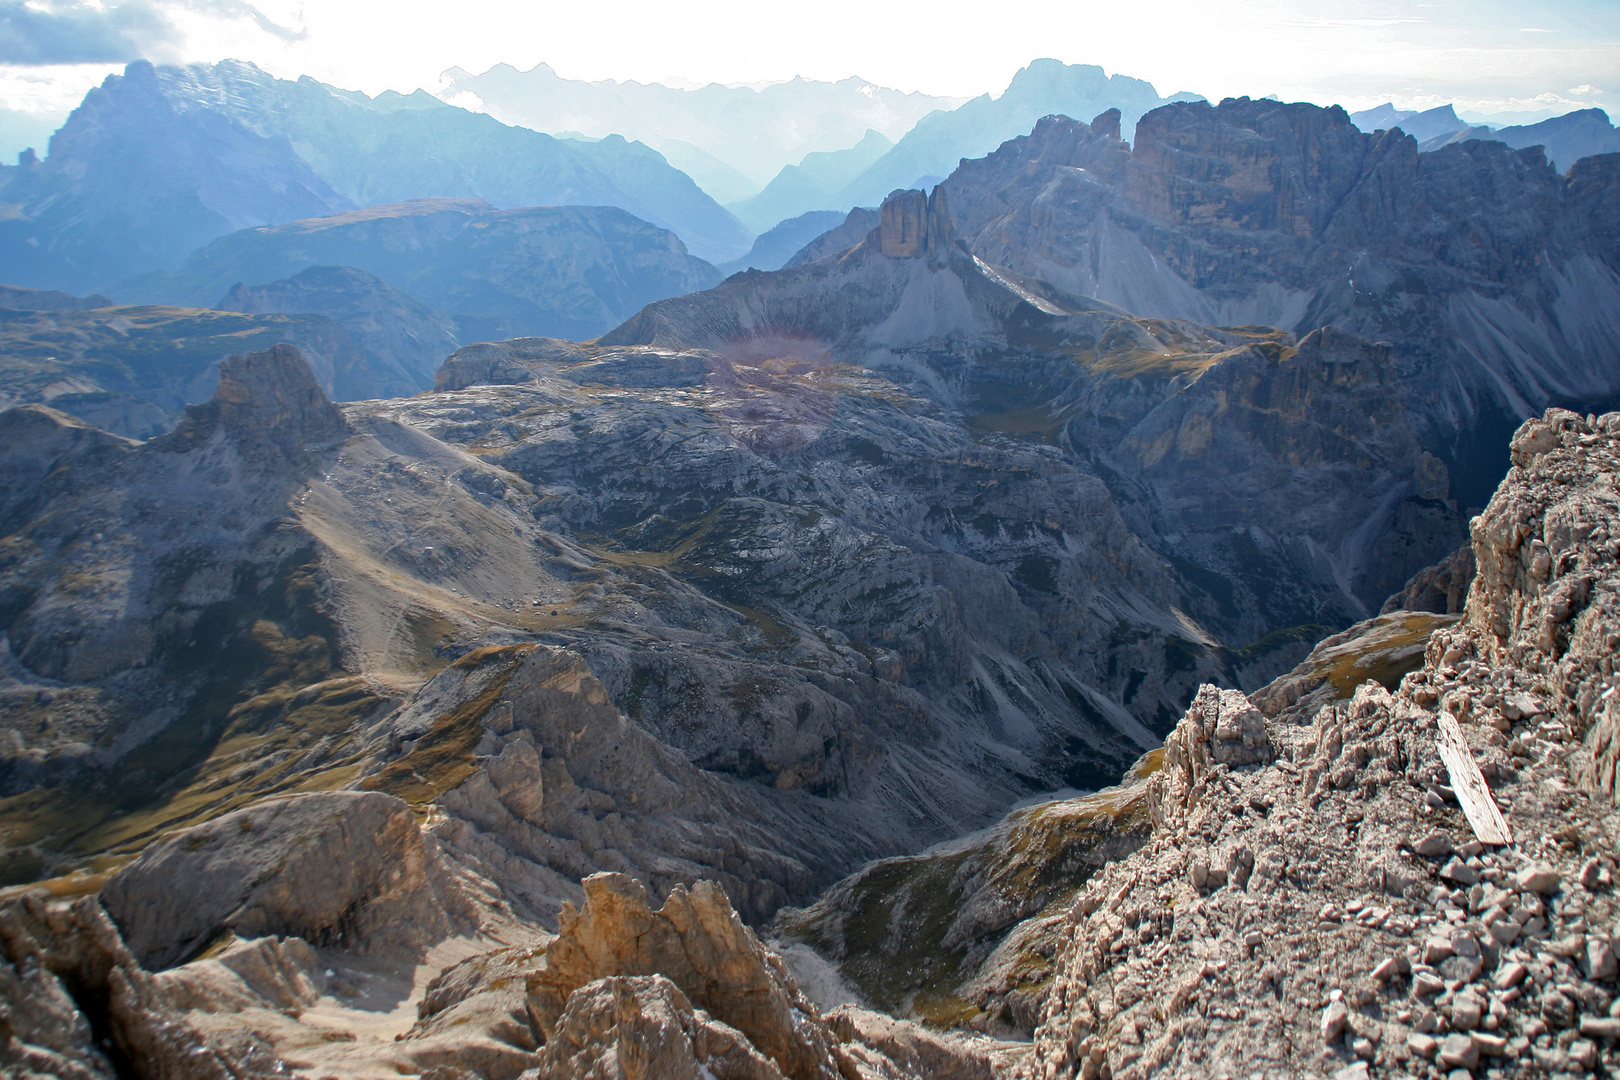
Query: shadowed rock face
x=1492, y=276
x=913, y=224
x=565, y=270
x=409, y=338
x=264, y=399
x=79, y=1005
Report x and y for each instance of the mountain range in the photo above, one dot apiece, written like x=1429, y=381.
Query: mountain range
x=1084, y=609
x=751, y=133
x=933, y=148
x=1566, y=139
x=160, y=160
x=1493, y=277
x=571, y=271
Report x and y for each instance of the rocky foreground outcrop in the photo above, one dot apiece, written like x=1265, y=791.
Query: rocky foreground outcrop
x=683, y=992
x=1331, y=912
x=335, y=868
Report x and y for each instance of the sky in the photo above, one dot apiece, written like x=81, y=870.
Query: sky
x=1490, y=57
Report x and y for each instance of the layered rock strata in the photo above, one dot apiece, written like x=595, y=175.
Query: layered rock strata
x=1287, y=215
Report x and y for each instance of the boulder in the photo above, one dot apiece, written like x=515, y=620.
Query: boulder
x=335, y=868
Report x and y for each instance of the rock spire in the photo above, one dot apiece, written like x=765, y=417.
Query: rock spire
x=914, y=225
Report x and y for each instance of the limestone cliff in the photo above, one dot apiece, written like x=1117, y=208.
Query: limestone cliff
x=1490, y=274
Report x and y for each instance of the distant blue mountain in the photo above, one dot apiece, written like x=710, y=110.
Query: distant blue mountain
x=942, y=139
x=1566, y=139
x=160, y=160
x=776, y=246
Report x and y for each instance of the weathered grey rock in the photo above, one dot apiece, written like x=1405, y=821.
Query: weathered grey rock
x=406, y=340
x=64, y=973
x=912, y=1048
x=642, y=1027
x=1335, y=1018
x=338, y=868
x=1338, y=808
x=1283, y=214
x=1458, y=1052
x=1538, y=879
x=1441, y=588
x=697, y=942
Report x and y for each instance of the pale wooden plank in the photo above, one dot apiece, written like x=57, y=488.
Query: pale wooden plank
x=1477, y=804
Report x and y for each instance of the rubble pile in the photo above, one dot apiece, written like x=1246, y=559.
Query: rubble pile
x=1319, y=905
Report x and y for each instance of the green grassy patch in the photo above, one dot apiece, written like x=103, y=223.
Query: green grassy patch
x=443, y=758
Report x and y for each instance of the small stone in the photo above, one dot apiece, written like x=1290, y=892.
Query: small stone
x=1601, y=965
x=1464, y=944
x=1465, y=1014
x=1550, y=1060
x=1470, y=849
x=1362, y=1047
x=1568, y=947
x=1510, y=974
x=1538, y=879
x=1503, y=932
x=1424, y=1046
x=1591, y=873
x=1489, y=1045
x=1436, y=949
x=1583, y=1053
x=1557, y=1009
x=1433, y=846
x=1459, y=1052
x=1354, y=1071
x=1385, y=970
x=1425, y=984
x=1463, y=874
x=1335, y=1018
x=1462, y=969
x=1600, y=1027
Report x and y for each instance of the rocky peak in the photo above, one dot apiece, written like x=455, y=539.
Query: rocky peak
x=264, y=399
x=913, y=225
x=695, y=940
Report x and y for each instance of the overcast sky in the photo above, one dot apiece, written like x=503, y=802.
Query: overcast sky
x=1488, y=56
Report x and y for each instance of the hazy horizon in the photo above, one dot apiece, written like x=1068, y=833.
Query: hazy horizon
x=1493, y=60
